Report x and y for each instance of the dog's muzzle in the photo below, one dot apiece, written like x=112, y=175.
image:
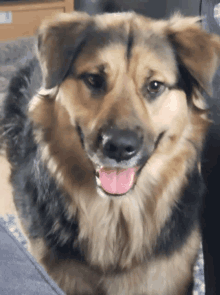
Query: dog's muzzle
x=117, y=155
x=119, y=146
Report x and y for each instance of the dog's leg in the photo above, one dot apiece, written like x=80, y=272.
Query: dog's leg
x=73, y=277
x=135, y=284
x=170, y=274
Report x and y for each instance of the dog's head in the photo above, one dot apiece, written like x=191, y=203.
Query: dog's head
x=127, y=88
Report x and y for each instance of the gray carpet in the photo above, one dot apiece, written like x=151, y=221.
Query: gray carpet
x=12, y=55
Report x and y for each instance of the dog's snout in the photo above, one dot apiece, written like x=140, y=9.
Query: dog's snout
x=120, y=144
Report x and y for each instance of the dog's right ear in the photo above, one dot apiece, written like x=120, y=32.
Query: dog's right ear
x=196, y=50
x=59, y=42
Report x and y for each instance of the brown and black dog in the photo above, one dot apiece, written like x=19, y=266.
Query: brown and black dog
x=104, y=133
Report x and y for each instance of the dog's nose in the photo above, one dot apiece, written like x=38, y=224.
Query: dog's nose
x=120, y=144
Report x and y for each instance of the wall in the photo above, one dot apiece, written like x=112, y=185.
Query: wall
x=187, y=7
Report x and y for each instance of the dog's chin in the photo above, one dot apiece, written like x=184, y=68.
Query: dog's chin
x=102, y=193
x=116, y=182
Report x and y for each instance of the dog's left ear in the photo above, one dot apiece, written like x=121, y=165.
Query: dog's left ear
x=59, y=42
x=196, y=50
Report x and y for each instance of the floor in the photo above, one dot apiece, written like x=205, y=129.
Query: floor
x=6, y=201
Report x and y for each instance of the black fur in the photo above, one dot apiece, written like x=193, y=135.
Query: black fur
x=39, y=201
x=184, y=218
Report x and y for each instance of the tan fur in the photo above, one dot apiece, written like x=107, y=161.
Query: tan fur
x=170, y=274
x=120, y=233
x=160, y=274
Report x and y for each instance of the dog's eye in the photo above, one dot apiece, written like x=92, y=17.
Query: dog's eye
x=95, y=82
x=155, y=88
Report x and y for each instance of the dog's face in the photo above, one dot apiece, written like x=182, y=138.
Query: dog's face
x=126, y=85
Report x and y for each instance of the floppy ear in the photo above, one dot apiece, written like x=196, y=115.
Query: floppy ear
x=59, y=41
x=196, y=50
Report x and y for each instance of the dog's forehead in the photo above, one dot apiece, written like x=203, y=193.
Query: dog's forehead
x=121, y=39
x=127, y=29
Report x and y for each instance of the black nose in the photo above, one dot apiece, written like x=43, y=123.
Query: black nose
x=120, y=144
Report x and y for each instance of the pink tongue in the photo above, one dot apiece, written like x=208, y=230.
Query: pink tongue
x=117, y=182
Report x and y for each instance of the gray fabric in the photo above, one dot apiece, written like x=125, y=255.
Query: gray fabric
x=19, y=272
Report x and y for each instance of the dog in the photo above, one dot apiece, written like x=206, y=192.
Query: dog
x=104, y=131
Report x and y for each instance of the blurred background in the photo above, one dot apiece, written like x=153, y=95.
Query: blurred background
x=22, y=17
x=152, y=8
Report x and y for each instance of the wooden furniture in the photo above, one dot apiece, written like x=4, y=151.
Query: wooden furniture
x=22, y=18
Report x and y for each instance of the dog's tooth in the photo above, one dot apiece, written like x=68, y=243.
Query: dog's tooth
x=98, y=168
x=98, y=181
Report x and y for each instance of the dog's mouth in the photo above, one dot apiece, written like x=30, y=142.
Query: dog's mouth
x=111, y=179
x=116, y=182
